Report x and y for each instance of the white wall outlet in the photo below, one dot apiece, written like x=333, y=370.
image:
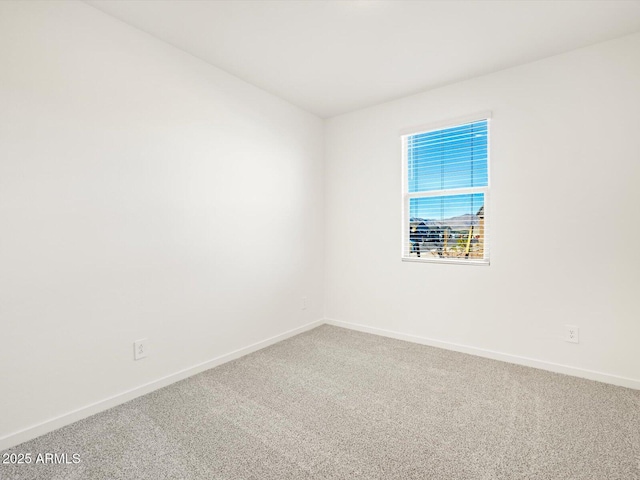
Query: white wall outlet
x=305, y=303
x=140, y=349
x=572, y=334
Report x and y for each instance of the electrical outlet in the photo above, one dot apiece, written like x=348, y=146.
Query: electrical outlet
x=571, y=334
x=305, y=303
x=140, y=349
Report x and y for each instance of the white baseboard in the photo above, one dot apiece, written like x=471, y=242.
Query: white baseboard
x=47, y=426
x=504, y=357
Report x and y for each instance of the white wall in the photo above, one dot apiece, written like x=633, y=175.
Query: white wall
x=565, y=172
x=143, y=193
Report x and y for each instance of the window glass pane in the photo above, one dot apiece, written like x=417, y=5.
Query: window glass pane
x=450, y=226
x=449, y=158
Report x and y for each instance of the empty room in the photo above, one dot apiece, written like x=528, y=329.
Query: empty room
x=319, y=239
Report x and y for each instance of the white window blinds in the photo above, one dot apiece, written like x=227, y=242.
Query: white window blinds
x=446, y=188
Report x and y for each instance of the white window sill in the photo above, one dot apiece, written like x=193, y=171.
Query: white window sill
x=453, y=261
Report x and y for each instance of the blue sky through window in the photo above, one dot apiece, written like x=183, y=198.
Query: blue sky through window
x=445, y=159
x=445, y=207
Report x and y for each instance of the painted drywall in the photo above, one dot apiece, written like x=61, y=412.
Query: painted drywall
x=143, y=194
x=565, y=167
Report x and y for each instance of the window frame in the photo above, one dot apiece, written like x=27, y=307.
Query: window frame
x=407, y=196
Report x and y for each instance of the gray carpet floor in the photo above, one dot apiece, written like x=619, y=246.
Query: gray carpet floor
x=337, y=404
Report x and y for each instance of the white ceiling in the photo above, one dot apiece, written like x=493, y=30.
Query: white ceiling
x=332, y=57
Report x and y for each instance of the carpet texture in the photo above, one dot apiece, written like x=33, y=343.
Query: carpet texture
x=337, y=404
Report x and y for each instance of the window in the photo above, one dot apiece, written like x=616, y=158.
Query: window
x=445, y=193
